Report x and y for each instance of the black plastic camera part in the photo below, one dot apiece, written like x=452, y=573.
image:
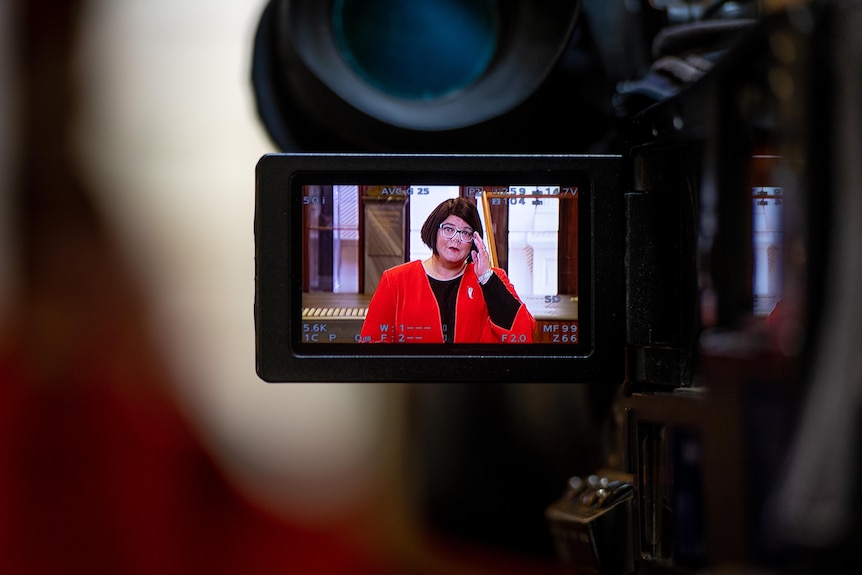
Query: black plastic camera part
x=283, y=352
x=314, y=93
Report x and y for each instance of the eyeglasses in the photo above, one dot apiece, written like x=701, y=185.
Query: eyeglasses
x=449, y=231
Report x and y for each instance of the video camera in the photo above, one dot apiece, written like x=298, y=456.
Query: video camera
x=688, y=269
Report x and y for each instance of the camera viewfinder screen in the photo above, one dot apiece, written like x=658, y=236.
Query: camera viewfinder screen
x=424, y=267
x=407, y=263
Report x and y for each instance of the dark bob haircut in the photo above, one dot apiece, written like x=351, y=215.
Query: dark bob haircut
x=461, y=207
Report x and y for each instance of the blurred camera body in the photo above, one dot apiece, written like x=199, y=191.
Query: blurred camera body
x=710, y=246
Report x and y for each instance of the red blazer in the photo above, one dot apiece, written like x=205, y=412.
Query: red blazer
x=404, y=309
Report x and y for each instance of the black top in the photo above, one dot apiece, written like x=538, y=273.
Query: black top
x=502, y=305
x=446, y=292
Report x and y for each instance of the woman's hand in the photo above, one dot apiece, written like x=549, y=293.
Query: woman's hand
x=481, y=259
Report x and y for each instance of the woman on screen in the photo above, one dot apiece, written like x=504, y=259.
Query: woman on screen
x=454, y=296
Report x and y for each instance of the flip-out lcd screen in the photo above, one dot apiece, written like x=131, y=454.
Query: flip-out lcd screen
x=427, y=268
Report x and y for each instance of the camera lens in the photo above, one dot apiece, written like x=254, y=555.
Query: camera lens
x=414, y=75
x=417, y=49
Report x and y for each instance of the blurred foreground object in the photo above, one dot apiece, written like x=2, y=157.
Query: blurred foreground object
x=101, y=470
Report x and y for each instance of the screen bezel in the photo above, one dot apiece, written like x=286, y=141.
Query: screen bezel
x=281, y=355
